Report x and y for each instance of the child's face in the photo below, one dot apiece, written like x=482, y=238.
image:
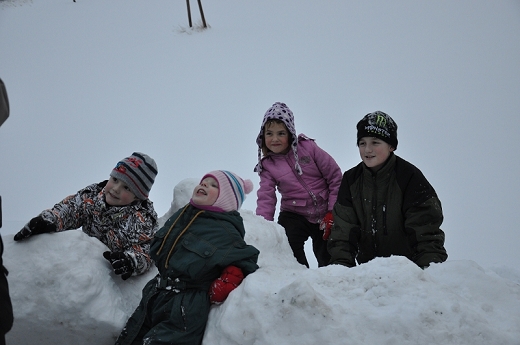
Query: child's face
x=374, y=152
x=276, y=137
x=117, y=193
x=206, y=193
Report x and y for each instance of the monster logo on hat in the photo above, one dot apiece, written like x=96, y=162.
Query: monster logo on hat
x=379, y=125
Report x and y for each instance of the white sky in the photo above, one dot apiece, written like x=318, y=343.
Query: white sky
x=92, y=81
x=64, y=292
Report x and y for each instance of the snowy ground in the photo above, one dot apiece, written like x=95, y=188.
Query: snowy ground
x=64, y=292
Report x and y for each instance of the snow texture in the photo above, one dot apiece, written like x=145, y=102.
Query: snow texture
x=64, y=292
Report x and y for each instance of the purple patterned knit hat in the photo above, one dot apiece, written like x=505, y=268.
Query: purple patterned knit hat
x=278, y=111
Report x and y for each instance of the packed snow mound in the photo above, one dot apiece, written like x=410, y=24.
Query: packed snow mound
x=64, y=292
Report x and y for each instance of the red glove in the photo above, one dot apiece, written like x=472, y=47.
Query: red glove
x=231, y=277
x=326, y=224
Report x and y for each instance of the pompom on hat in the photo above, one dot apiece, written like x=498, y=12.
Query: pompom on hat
x=138, y=172
x=379, y=125
x=232, y=190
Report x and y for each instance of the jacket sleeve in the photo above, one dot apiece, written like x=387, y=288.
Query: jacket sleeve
x=239, y=253
x=344, y=236
x=423, y=217
x=330, y=171
x=138, y=235
x=266, y=196
x=69, y=213
x=245, y=258
x=423, y=226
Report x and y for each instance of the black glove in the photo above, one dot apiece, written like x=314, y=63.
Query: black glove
x=121, y=263
x=35, y=226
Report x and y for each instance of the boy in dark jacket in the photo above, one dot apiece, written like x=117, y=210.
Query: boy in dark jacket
x=116, y=211
x=385, y=205
x=196, y=245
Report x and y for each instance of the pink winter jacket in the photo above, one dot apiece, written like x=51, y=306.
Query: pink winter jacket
x=321, y=175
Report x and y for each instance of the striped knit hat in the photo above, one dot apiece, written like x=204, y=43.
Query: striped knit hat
x=138, y=172
x=232, y=190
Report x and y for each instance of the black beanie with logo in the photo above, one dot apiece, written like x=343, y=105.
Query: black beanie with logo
x=379, y=125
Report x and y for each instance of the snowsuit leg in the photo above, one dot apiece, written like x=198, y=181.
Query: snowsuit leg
x=179, y=319
x=167, y=317
x=298, y=229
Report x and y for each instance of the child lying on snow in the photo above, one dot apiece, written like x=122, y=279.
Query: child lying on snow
x=116, y=211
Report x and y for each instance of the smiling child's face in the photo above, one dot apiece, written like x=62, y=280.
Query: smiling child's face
x=117, y=193
x=276, y=137
x=374, y=152
x=206, y=192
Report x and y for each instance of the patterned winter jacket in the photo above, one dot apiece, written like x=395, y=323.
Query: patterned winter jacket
x=127, y=229
x=311, y=194
x=392, y=212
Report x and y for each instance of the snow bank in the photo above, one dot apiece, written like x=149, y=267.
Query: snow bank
x=64, y=292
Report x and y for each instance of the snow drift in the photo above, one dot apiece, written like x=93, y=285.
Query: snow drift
x=64, y=292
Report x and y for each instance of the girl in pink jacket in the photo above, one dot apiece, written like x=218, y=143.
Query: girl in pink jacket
x=306, y=177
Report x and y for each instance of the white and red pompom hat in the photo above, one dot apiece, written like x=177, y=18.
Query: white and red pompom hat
x=232, y=190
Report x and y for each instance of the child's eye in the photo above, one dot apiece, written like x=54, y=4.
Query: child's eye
x=126, y=188
x=114, y=178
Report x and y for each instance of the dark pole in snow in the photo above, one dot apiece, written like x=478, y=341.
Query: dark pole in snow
x=189, y=11
x=202, y=14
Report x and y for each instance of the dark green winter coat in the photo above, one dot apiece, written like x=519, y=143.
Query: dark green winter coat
x=190, y=252
x=394, y=211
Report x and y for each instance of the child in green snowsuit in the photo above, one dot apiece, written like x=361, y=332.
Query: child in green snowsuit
x=198, y=244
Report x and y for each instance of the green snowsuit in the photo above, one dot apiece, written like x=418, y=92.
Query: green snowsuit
x=394, y=211
x=190, y=252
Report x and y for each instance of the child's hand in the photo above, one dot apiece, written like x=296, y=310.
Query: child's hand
x=231, y=277
x=326, y=224
x=35, y=226
x=121, y=263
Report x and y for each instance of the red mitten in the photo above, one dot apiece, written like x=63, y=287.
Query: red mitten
x=231, y=277
x=326, y=224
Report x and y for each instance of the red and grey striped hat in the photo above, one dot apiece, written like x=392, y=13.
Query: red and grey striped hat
x=138, y=172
